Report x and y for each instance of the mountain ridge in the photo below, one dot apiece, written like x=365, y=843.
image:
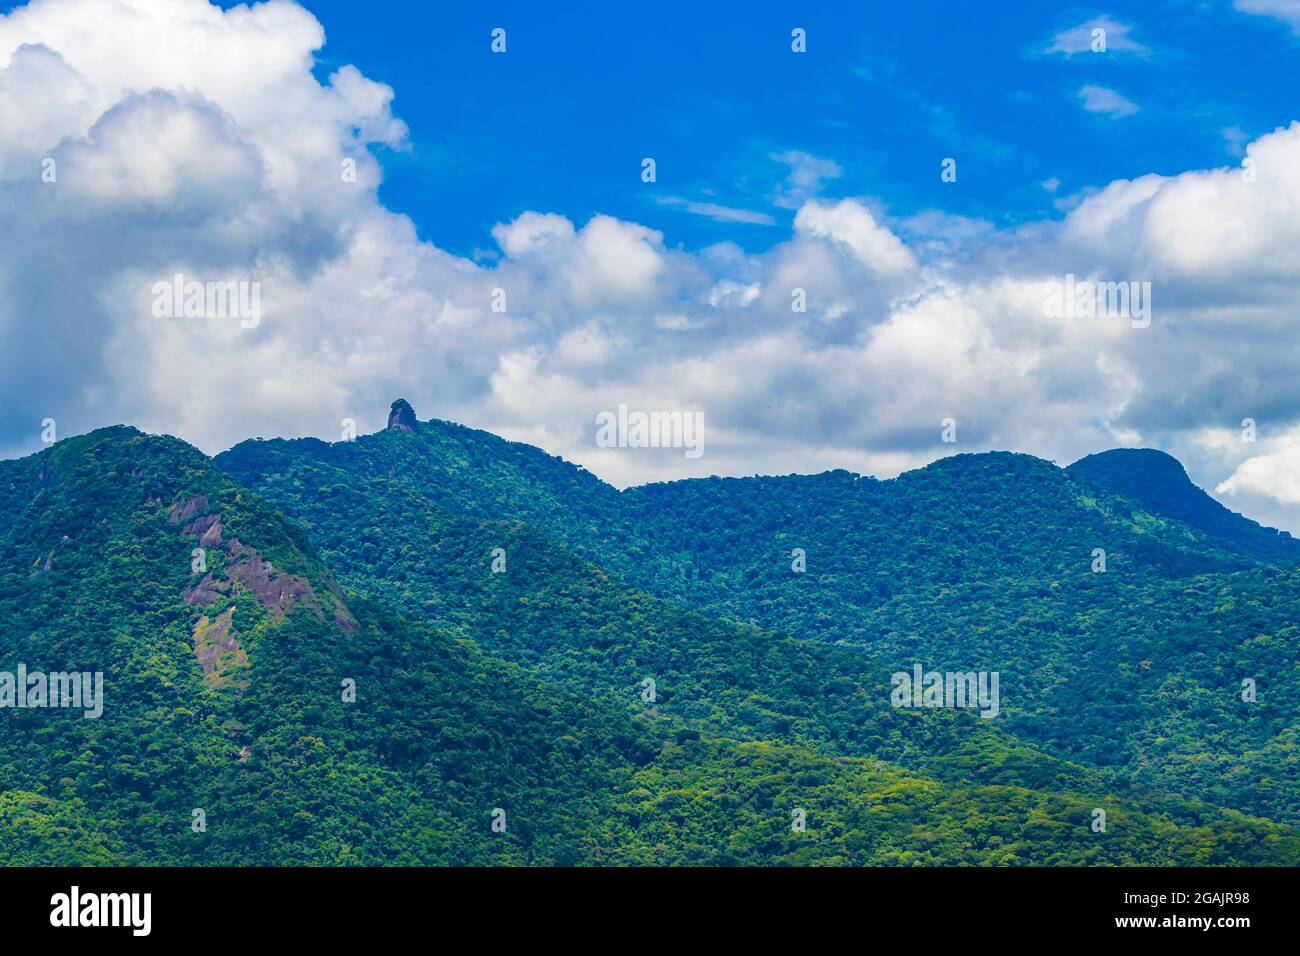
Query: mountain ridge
x=1189, y=503
x=441, y=741
x=771, y=683
x=994, y=561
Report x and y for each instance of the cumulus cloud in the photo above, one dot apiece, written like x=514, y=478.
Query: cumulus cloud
x=531, y=232
x=1274, y=474
x=1266, y=485
x=852, y=224
x=238, y=164
x=613, y=262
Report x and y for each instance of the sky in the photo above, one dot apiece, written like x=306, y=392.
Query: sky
x=843, y=248
x=712, y=91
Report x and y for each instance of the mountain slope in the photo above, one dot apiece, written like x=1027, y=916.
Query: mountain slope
x=222, y=694
x=572, y=622
x=987, y=562
x=1159, y=484
x=978, y=562
x=96, y=544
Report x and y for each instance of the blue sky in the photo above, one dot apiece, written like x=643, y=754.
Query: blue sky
x=799, y=275
x=713, y=92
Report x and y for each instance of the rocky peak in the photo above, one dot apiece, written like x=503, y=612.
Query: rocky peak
x=402, y=416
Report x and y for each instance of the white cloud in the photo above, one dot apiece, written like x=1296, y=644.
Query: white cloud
x=719, y=213
x=1288, y=11
x=1101, y=99
x=1265, y=486
x=853, y=224
x=532, y=231
x=1085, y=38
x=807, y=176
x=37, y=74
x=734, y=292
x=1275, y=474
x=614, y=262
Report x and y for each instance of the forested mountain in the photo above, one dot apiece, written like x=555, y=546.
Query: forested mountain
x=1122, y=636
x=224, y=690
x=1159, y=484
x=549, y=671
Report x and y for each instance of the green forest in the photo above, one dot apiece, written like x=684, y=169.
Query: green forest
x=433, y=646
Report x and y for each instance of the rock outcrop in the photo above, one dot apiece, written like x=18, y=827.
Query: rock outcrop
x=402, y=416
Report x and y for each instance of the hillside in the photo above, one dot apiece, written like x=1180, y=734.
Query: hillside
x=978, y=562
x=222, y=693
x=223, y=690
x=571, y=621
x=1159, y=484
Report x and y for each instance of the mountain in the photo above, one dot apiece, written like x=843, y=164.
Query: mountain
x=572, y=622
x=990, y=562
x=1131, y=669
x=223, y=690
x=1159, y=484
x=233, y=606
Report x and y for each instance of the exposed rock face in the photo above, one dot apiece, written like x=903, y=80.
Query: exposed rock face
x=402, y=416
x=277, y=594
x=193, y=505
x=219, y=650
x=277, y=590
x=207, y=591
x=208, y=528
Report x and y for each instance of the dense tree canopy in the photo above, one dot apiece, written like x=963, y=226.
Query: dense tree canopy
x=321, y=648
